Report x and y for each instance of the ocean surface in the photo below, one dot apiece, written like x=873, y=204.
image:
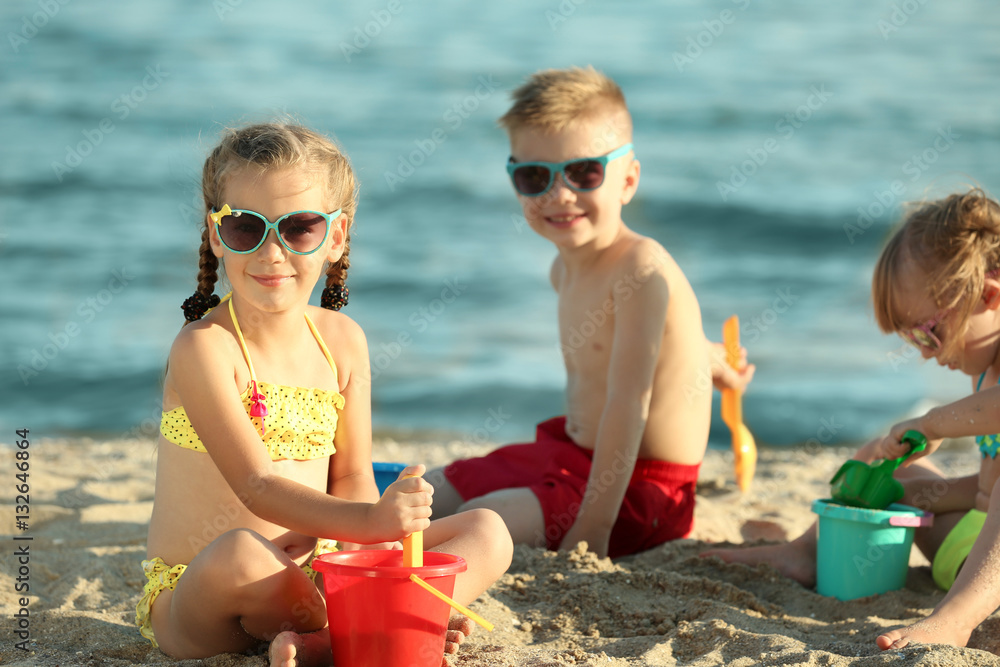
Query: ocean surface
x=776, y=139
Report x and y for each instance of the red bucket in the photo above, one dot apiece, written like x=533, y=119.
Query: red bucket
x=378, y=617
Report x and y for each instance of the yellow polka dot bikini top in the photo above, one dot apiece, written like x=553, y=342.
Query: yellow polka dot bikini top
x=294, y=422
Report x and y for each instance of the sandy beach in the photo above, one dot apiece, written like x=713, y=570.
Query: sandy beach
x=91, y=501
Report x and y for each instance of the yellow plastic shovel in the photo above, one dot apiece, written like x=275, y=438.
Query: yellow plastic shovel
x=744, y=447
x=413, y=556
x=413, y=546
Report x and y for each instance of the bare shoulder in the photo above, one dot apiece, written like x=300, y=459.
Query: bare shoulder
x=640, y=258
x=341, y=334
x=556, y=272
x=200, y=340
x=203, y=353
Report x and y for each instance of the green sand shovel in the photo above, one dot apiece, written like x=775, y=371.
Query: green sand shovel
x=871, y=485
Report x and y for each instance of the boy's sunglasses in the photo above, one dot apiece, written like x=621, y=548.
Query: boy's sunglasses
x=533, y=179
x=243, y=231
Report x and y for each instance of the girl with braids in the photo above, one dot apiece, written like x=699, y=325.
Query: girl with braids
x=265, y=449
x=937, y=284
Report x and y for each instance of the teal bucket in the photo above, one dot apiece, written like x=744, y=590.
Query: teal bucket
x=863, y=552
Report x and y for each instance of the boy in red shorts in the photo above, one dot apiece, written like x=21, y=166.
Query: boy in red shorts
x=619, y=470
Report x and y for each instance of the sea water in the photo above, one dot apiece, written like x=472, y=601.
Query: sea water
x=777, y=142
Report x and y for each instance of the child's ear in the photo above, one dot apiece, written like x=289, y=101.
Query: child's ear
x=631, y=181
x=213, y=237
x=991, y=294
x=338, y=238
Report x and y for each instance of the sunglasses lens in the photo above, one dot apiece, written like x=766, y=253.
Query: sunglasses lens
x=241, y=232
x=585, y=174
x=532, y=180
x=920, y=338
x=303, y=232
x=924, y=339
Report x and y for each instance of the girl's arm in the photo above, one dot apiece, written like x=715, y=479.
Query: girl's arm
x=203, y=374
x=978, y=414
x=351, y=476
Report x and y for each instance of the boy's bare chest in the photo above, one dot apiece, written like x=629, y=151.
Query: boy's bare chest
x=586, y=322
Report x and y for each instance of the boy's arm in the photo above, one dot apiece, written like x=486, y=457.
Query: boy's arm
x=638, y=333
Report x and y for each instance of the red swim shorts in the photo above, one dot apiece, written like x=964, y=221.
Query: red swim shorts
x=658, y=505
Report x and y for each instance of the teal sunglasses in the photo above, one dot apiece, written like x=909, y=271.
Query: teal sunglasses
x=300, y=232
x=533, y=179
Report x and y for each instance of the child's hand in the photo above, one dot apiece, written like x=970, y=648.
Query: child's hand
x=725, y=376
x=596, y=539
x=404, y=508
x=892, y=446
x=870, y=451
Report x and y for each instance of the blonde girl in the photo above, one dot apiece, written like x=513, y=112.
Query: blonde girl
x=937, y=284
x=265, y=447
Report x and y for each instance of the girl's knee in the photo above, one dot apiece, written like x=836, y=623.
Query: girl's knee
x=492, y=532
x=240, y=556
x=480, y=504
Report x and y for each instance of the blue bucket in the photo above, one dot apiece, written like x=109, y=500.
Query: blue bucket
x=386, y=474
x=863, y=552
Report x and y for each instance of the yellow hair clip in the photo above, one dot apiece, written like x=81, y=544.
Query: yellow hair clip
x=218, y=215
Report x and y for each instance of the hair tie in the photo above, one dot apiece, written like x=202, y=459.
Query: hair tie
x=334, y=298
x=196, y=305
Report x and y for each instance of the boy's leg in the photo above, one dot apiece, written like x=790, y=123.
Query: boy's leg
x=446, y=498
x=518, y=507
x=509, y=467
x=521, y=513
x=239, y=591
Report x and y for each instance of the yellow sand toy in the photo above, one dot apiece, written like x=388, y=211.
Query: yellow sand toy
x=413, y=556
x=744, y=447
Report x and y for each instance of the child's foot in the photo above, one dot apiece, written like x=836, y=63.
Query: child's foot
x=795, y=560
x=459, y=627
x=931, y=630
x=290, y=649
x=294, y=650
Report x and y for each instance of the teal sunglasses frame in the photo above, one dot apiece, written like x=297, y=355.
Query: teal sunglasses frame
x=560, y=168
x=217, y=217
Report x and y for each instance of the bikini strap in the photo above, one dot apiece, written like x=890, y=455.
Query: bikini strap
x=246, y=352
x=257, y=406
x=243, y=343
x=980, y=383
x=322, y=346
